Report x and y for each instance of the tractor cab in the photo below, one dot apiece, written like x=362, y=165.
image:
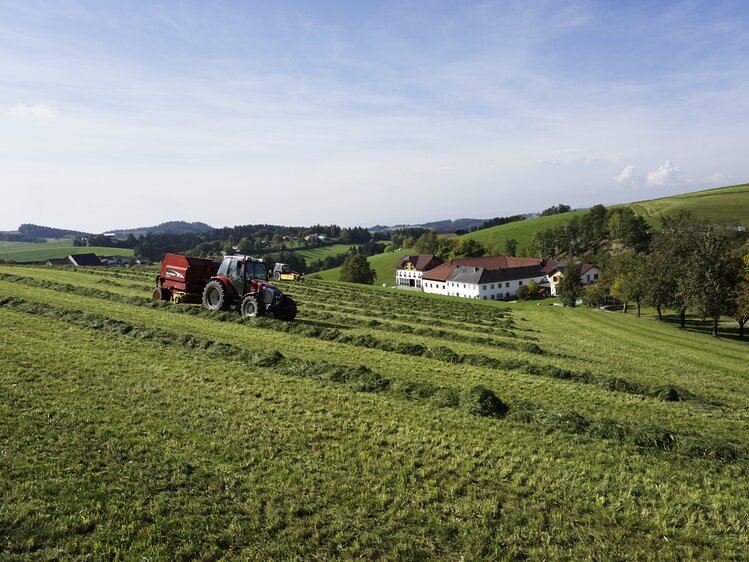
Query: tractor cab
x=241, y=270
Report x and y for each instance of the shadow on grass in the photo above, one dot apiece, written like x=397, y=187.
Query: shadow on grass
x=699, y=326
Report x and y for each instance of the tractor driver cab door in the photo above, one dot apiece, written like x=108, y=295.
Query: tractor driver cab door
x=235, y=272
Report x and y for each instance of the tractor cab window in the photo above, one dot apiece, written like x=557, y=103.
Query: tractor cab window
x=257, y=270
x=235, y=269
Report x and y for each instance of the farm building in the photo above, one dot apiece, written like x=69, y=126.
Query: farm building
x=412, y=267
x=555, y=271
x=487, y=278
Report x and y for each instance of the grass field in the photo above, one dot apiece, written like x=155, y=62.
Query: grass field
x=726, y=205
x=27, y=251
x=381, y=424
x=723, y=205
x=312, y=254
x=382, y=264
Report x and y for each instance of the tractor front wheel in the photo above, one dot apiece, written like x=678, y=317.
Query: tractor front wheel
x=250, y=307
x=161, y=294
x=277, y=276
x=287, y=310
x=214, y=296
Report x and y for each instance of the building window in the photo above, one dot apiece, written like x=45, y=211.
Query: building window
x=520, y=283
x=507, y=284
x=492, y=285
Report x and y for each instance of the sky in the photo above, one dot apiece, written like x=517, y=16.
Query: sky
x=123, y=114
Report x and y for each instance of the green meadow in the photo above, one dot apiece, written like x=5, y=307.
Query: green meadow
x=28, y=251
x=383, y=265
x=381, y=424
x=312, y=254
x=725, y=205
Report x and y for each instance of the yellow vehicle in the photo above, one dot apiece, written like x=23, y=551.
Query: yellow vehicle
x=282, y=272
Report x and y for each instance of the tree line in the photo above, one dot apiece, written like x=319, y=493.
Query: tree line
x=687, y=265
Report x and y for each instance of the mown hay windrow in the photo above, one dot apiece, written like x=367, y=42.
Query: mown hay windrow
x=480, y=401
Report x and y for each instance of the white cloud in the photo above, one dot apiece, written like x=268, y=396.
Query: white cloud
x=665, y=174
x=628, y=177
x=716, y=179
x=38, y=111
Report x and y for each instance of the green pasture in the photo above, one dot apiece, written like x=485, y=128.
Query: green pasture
x=27, y=251
x=724, y=205
x=312, y=254
x=382, y=264
x=380, y=424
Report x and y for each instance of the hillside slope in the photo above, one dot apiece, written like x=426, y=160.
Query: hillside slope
x=28, y=251
x=724, y=205
x=383, y=265
x=381, y=425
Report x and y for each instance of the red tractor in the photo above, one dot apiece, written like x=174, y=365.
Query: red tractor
x=239, y=281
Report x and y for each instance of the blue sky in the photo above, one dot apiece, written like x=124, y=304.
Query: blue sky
x=120, y=114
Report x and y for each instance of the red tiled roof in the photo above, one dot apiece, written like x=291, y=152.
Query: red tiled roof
x=440, y=273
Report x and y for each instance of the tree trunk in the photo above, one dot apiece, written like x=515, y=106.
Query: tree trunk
x=625, y=307
x=682, y=318
x=741, y=328
x=715, y=326
x=660, y=312
x=638, y=309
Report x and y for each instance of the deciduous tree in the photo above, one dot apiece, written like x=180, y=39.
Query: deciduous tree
x=356, y=269
x=570, y=288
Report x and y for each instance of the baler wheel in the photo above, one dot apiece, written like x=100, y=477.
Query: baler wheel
x=214, y=296
x=161, y=294
x=250, y=307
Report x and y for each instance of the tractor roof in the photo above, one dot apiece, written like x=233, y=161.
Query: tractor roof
x=242, y=257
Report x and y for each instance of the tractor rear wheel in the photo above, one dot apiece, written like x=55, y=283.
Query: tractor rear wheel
x=287, y=310
x=214, y=296
x=250, y=307
x=161, y=294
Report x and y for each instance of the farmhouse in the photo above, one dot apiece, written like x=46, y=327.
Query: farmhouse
x=412, y=267
x=487, y=278
x=555, y=271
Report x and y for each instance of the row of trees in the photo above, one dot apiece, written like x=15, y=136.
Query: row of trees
x=585, y=234
x=498, y=221
x=689, y=265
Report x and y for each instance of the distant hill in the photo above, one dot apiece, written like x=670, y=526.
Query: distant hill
x=448, y=224
x=38, y=231
x=720, y=206
x=171, y=227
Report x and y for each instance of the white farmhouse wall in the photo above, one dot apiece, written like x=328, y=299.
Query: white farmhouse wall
x=404, y=277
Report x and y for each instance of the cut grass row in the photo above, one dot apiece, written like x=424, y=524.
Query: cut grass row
x=476, y=400
x=158, y=452
x=513, y=384
x=160, y=443
x=435, y=350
